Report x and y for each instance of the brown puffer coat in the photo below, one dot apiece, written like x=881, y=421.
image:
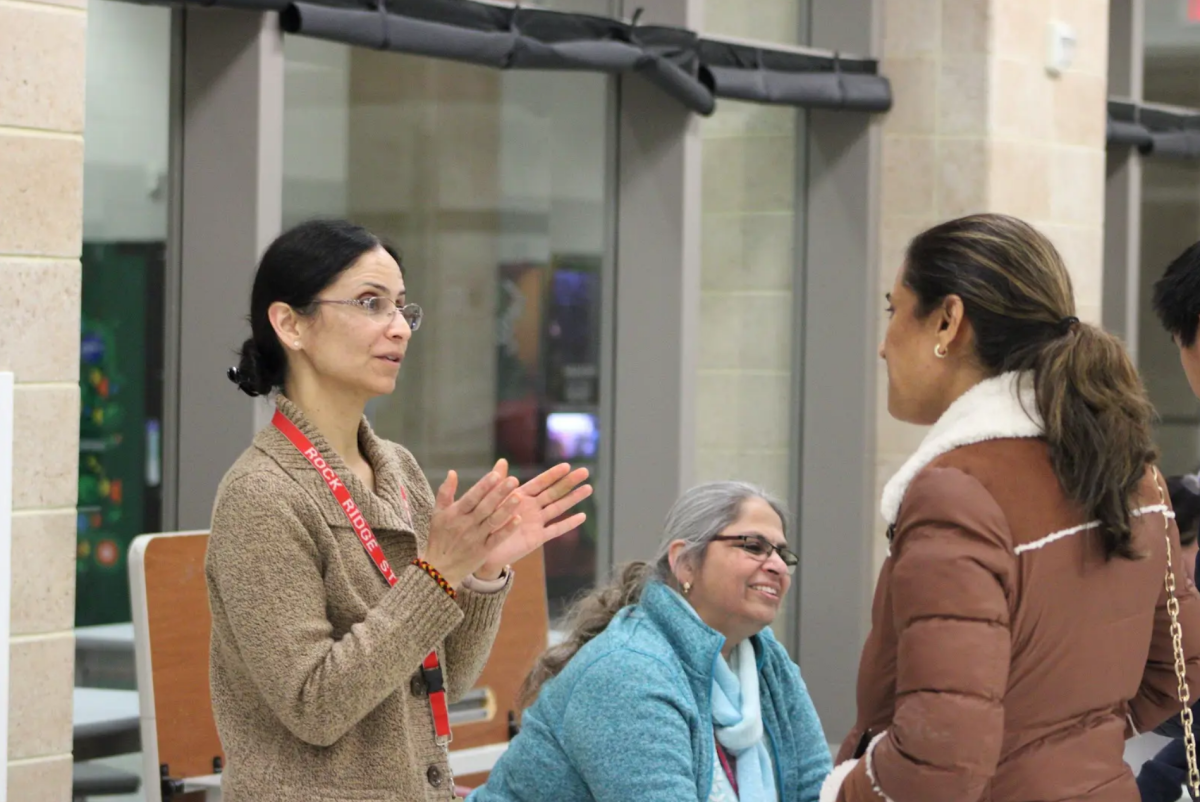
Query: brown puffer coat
x=1008, y=659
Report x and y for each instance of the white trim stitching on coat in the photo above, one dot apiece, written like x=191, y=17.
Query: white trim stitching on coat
x=869, y=757
x=1153, y=508
x=1048, y=539
x=1074, y=530
x=832, y=786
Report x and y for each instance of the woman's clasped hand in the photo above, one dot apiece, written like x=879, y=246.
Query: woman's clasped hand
x=498, y=520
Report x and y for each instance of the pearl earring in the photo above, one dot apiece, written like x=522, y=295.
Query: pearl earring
x=296, y=344
x=687, y=588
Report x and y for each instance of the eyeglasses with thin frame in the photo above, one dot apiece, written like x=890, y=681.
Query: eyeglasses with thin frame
x=382, y=309
x=760, y=548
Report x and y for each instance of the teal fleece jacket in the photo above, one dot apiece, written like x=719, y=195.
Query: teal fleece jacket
x=630, y=717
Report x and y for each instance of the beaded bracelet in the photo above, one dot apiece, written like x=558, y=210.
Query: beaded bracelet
x=437, y=577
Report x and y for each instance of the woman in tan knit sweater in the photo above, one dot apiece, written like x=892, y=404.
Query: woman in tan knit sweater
x=345, y=595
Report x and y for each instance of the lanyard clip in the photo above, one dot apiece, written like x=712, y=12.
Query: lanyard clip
x=434, y=681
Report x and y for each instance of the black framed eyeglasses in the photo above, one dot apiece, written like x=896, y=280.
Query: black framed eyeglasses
x=382, y=309
x=760, y=548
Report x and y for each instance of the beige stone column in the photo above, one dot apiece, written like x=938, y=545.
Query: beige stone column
x=744, y=406
x=41, y=212
x=980, y=125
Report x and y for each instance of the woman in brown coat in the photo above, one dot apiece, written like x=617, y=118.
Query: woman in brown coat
x=1021, y=629
x=348, y=601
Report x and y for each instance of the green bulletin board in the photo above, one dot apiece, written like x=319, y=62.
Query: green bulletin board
x=120, y=382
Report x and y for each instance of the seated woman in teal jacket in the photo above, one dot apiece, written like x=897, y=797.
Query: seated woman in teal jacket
x=669, y=686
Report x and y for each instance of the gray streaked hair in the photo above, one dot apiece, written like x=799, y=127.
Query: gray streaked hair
x=701, y=514
x=695, y=518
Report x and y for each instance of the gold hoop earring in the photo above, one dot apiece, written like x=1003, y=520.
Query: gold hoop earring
x=687, y=588
x=940, y=351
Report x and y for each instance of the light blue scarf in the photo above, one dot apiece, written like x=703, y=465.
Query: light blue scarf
x=737, y=717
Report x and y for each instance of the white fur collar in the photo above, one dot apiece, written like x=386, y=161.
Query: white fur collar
x=997, y=408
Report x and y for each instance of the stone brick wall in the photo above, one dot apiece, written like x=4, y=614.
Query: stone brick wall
x=744, y=407
x=979, y=125
x=41, y=210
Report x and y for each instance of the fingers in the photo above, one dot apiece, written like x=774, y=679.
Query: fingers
x=559, y=528
x=478, y=491
x=547, y=478
x=559, y=507
x=445, y=494
x=502, y=493
x=458, y=535
x=504, y=533
x=504, y=512
x=562, y=487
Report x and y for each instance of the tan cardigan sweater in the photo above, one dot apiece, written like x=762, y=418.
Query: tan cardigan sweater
x=314, y=660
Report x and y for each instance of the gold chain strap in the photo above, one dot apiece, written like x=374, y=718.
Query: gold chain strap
x=1189, y=737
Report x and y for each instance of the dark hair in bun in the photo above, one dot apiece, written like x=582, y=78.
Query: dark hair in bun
x=297, y=266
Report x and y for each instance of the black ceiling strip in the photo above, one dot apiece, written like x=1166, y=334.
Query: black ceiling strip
x=816, y=90
x=674, y=65
x=691, y=69
x=402, y=34
x=685, y=85
x=510, y=49
x=717, y=53
x=603, y=56
x=347, y=26
x=1123, y=110
x=1132, y=134
x=239, y=5
x=866, y=92
x=476, y=16
x=1164, y=131
x=1166, y=118
x=1176, y=144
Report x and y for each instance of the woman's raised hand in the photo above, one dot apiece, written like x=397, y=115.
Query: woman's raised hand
x=464, y=533
x=540, y=504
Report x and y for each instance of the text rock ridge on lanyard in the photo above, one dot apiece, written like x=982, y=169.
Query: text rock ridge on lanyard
x=429, y=667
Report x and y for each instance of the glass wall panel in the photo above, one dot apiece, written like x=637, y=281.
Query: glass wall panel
x=125, y=201
x=496, y=188
x=1170, y=223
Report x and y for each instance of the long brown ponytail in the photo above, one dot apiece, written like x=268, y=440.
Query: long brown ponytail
x=1017, y=295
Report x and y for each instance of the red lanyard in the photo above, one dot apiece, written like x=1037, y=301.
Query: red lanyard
x=726, y=764
x=429, y=667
